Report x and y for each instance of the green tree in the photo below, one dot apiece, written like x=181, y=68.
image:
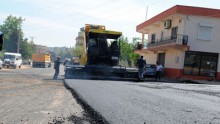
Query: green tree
x=135, y=56
x=1, y=54
x=27, y=49
x=127, y=50
x=13, y=34
x=61, y=53
x=68, y=54
x=77, y=51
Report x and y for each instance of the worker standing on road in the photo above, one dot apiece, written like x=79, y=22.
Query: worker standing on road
x=141, y=63
x=57, y=68
x=159, y=70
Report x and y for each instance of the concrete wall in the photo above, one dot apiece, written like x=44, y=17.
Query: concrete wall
x=187, y=25
x=157, y=28
x=174, y=59
x=192, y=29
x=150, y=58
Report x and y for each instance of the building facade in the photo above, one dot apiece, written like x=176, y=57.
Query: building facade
x=185, y=40
x=41, y=49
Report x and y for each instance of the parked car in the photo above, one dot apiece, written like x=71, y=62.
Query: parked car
x=150, y=70
x=12, y=60
x=1, y=63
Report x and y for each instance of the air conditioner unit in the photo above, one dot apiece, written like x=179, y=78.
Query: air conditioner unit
x=167, y=24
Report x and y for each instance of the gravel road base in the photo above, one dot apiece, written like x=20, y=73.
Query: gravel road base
x=29, y=95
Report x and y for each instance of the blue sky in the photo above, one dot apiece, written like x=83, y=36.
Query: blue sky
x=55, y=23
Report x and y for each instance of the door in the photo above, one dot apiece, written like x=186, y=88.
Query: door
x=161, y=36
x=161, y=58
x=174, y=32
x=153, y=37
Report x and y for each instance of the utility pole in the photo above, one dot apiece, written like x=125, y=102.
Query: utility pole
x=146, y=13
x=32, y=39
x=18, y=31
x=18, y=40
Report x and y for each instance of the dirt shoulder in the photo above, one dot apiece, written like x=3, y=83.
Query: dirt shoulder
x=29, y=95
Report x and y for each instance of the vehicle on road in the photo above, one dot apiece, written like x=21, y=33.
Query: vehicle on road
x=66, y=61
x=41, y=60
x=150, y=70
x=1, y=62
x=100, y=55
x=12, y=60
x=1, y=40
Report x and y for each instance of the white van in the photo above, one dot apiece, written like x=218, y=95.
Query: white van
x=12, y=60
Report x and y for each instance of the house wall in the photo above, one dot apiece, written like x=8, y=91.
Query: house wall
x=177, y=21
x=187, y=25
x=174, y=59
x=157, y=28
x=150, y=58
x=192, y=28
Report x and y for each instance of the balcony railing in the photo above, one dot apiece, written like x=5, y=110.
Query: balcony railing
x=178, y=39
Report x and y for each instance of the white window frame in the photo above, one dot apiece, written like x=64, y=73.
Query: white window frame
x=208, y=34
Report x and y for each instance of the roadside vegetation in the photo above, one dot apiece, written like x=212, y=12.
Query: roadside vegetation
x=14, y=40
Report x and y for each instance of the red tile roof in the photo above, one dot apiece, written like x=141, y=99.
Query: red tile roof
x=188, y=10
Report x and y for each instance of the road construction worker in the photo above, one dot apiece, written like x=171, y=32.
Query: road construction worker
x=57, y=68
x=159, y=71
x=141, y=63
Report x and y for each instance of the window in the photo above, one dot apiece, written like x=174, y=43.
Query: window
x=205, y=32
x=174, y=32
x=208, y=65
x=191, y=64
x=153, y=37
x=200, y=64
x=162, y=36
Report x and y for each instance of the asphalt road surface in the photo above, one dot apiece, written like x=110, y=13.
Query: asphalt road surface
x=123, y=102
x=30, y=96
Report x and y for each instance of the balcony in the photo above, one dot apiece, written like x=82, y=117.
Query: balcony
x=176, y=42
x=168, y=41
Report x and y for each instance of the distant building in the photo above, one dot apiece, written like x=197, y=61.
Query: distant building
x=185, y=40
x=41, y=49
x=79, y=38
x=64, y=52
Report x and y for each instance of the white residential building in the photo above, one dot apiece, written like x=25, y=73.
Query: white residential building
x=186, y=40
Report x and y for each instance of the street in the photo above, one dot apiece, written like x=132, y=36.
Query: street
x=124, y=102
x=29, y=95
x=109, y=62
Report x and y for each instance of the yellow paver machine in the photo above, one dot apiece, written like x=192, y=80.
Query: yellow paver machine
x=100, y=55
